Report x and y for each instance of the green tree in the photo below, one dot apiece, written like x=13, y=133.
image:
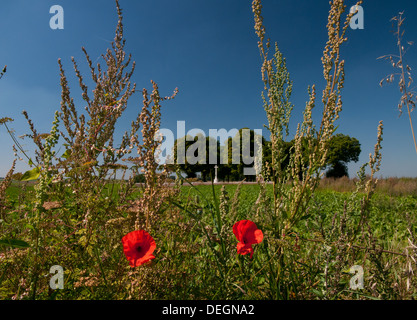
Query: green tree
x=180, y=158
x=206, y=149
x=244, y=155
x=342, y=149
x=199, y=150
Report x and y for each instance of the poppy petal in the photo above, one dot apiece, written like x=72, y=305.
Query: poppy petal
x=249, y=236
x=244, y=249
x=258, y=236
x=247, y=233
x=138, y=247
x=237, y=230
x=240, y=228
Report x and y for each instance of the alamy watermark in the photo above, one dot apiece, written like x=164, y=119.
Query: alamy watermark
x=357, y=21
x=57, y=280
x=356, y=282
x=57, y=20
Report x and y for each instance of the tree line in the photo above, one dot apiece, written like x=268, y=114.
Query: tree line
x=341, y=150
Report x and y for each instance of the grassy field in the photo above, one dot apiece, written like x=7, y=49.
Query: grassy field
x=197, y=259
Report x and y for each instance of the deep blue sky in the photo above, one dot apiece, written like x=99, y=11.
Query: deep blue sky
x=208, y=49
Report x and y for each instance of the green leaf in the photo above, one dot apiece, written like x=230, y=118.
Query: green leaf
x=317, y=292
x=14, y=243
x=53, y=295
x=29, y=226
x=31, y=174
x=67, y=154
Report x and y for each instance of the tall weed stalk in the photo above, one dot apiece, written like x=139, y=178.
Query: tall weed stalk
x=408, y=98
x=294, y=184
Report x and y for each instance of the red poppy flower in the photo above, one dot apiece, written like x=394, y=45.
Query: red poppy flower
x=248, y=234
x=138, y=247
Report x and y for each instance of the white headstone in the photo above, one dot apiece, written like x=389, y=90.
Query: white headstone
x=215, y=174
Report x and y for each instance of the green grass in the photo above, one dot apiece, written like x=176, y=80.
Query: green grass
x=387, y=217
x=196, y=261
